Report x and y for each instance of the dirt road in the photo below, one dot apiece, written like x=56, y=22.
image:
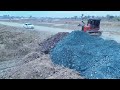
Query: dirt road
x=106, y=34
x=38, y=28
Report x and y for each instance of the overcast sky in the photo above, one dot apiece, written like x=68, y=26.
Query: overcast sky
x=59, y=13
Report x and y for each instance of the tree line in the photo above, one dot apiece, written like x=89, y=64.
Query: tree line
x=107, y=17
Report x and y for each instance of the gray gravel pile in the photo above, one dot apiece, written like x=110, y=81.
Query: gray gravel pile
x=93, y=57
x=50, y=43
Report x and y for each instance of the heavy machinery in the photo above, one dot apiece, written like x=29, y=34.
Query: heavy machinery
x=92, y=27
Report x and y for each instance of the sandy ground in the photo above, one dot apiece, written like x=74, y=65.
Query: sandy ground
x=38, y=28
x=20, y=57
x=111, y=30
x=110, y=36
x=63, y=24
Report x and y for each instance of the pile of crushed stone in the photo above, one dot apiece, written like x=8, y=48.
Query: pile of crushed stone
x=92, y=57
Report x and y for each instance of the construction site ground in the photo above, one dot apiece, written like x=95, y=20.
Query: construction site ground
x=20, y=56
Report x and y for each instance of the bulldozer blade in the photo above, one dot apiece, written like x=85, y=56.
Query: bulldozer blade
x=95, y=33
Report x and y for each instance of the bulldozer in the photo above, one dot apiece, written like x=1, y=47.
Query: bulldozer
x=92, y=27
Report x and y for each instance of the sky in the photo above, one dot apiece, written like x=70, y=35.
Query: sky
x=58, y=13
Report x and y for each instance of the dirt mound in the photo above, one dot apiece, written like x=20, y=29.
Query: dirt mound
x=50, y=43
x=17, y=42
x=21, y=58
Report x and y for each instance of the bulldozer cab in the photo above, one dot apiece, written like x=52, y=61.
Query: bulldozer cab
x=92, y=27
x=94, y=23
